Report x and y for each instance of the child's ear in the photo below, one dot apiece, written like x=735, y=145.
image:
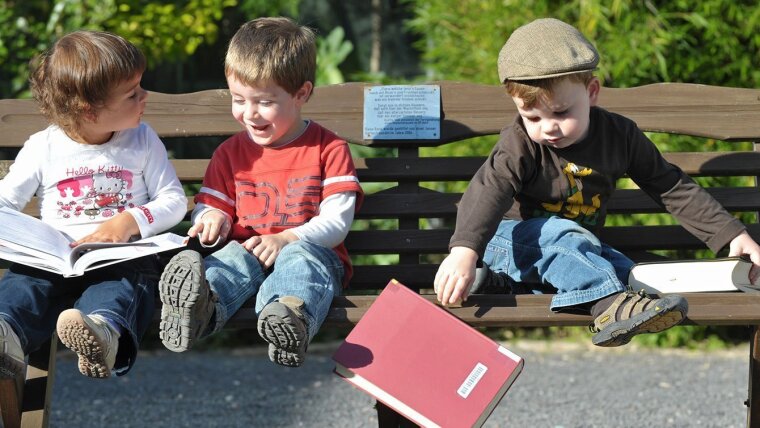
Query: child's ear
x=304, y=92
x=593, y=89
x=90, y=114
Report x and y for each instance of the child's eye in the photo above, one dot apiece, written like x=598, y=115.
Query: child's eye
x=265, y=103
x=532, y=119
x=562, y=113
x=133, y=95
x=238, y=100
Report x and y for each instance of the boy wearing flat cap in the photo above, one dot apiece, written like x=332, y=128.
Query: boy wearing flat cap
x=532, y=211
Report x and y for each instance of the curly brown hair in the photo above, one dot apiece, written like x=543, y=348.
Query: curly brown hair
x=75, y=76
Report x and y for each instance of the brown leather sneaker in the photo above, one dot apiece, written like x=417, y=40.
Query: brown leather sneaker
x=633, y=313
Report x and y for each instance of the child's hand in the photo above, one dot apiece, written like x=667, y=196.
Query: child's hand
x=214, y=225
x=455, y=275
x=745, y=245
x=118, y=229
x=266, y=248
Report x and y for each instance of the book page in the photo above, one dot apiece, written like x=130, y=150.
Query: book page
x=50, y=264
x=86, y=248
x=689, y=276
x=29, y=232
x=103, y=254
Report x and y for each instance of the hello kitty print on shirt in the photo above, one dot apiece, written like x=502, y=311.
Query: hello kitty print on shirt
x=101, y=194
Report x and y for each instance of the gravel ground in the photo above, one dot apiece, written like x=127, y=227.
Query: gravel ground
x=562, y=385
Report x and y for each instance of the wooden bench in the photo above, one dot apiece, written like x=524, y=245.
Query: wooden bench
x=408, y=221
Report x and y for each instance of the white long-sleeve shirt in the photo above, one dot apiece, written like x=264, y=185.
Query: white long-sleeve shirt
x=328, y=228
x=80, y=186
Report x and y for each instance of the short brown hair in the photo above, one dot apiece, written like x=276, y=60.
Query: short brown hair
x=75, y=76
x=530, y=91
x=275, y=49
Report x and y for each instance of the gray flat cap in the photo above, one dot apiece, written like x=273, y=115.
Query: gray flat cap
x=545, y=48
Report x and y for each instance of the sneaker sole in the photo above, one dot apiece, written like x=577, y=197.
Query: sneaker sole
x=287, y=340
x=667, y=314
x=178, y=291
x=77, y=336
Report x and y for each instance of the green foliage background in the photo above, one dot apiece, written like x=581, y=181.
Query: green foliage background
x=640, y=42
x=168, y=32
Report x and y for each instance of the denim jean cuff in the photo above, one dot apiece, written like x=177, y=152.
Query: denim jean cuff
x=573, y=298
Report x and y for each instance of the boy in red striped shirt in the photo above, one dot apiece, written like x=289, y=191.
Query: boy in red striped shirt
x=283, y=192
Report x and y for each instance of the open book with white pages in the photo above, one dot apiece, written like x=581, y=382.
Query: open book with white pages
x=27, y=240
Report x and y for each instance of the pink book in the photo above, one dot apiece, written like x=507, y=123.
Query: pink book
x=424, y=362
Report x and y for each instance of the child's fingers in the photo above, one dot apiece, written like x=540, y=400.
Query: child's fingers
x=194, y=230
x=458, y=291
x=267, y=259
x=251, y=243
x=440, y=284
x=449, y=290
x=210, y=233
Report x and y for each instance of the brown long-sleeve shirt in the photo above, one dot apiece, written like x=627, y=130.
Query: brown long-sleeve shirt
x=522, y=180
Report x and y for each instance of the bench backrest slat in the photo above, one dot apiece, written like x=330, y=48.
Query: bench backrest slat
x=468, y=110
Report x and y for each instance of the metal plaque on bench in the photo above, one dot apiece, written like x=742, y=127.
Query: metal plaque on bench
x=402, y=112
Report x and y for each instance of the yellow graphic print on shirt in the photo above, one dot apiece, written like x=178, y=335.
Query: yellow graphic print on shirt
x=574, y=207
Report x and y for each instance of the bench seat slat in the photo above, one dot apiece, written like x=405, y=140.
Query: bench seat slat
x=533, y=311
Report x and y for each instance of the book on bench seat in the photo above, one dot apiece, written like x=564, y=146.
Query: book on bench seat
x=30, y=241
x=693, y=276
x=425, y=363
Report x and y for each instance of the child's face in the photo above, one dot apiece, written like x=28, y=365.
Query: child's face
x=562, y=119
x=124, y=107
x=270, y=115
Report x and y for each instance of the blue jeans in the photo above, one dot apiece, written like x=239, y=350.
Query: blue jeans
x=308, y=271
x=32, y=299
x=555, y=255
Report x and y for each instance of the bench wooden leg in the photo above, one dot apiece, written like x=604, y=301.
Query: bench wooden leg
x=753, y=400
x=38, y=388
x=11, y=393
x=25, y=402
